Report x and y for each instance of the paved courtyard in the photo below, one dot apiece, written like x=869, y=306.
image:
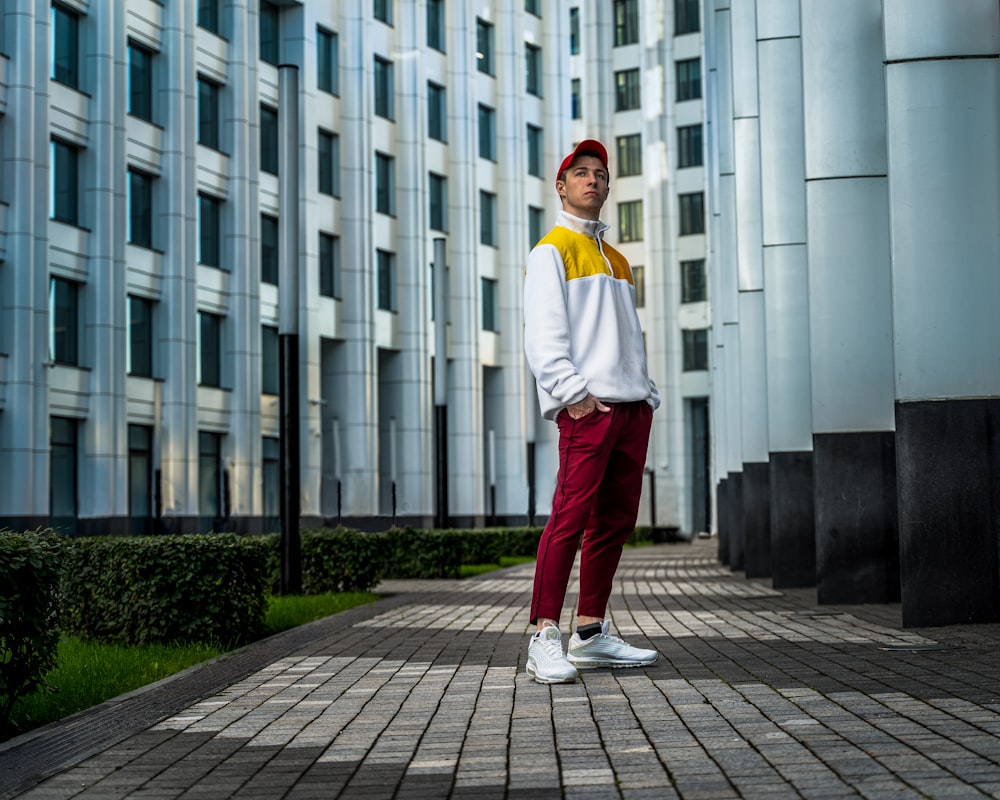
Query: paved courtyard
x=758, y=694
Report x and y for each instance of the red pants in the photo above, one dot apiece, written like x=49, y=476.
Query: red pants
x=601, y=461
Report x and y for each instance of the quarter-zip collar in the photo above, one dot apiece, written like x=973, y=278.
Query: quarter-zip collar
x=593, y=228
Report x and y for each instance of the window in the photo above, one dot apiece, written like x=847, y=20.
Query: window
x=533, y=69
x=271, y=463
x=270, y=33
x=64, y=315
x=140, y=479
x=269, y=249
x=140, y=208
x=385, y=184
x=574, y=31
x=270, y=375
x=626, y=89
x=65, y=182
x=139, y=344
x=692, y=208
x=208, y=113
x=386, y=267
x=383, y=11
x=694, y=287
x=209, y=349
x=535, y=151
x=689, y=146
x=695, y=350
x=329, y=265
x=210, y=478
x=209, y=231
x=689, y=79
x=484, y=47
x=626, y=22
x=629, y=155
x=533, y=7
x=435, y=24
x=686, y=19
x=268, y=140
x=487, y=133
x=488, y=218
x=536, y=225
x=630, y=221
x=329, y=163
x=491, y=305
x=576, y=106
x=65, y=46
x=639, y=284
x=327, y=61
x=437, y=112
x=140, y=81
x=62, y=474
x=208, y=15
x=383, y=88
x=439, y=202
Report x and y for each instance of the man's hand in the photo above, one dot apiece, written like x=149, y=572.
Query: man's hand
x=588, y=405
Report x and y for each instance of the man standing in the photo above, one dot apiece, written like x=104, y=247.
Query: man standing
x=585, y=348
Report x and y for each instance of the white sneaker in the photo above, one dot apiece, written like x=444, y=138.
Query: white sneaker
x=605, y=650
x=546, y=662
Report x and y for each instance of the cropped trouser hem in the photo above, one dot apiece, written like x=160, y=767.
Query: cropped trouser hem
x=594, y=507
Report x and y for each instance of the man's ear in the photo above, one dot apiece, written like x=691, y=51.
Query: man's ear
x=560, y=187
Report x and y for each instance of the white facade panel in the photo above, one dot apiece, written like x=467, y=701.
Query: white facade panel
x=945, y=237
x=850, y=309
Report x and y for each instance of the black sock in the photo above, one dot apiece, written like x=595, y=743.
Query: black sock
x=587, y=631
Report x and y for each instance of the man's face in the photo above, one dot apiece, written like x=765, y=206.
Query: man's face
x=584, y=187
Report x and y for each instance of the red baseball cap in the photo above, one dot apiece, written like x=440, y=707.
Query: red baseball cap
x=587, y=145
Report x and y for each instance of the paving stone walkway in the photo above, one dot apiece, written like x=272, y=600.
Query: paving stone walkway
x=758, y=694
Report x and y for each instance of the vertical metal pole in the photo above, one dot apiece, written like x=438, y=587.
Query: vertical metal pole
x=441, y=380
x=491, y=469
x=288, y=326
x=336, y=467
x=392, y=465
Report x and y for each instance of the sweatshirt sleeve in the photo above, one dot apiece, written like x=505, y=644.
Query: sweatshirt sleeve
x=546, y=327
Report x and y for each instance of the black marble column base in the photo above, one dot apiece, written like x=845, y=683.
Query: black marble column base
x=857, y=542
x=722, y=519
x=793, y=520
x=736, y=522
x=948, y=457
x=757, y=512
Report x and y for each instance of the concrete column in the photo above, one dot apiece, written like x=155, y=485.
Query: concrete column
x=244, y=446
x=850, y=311
x=179, y=422
x=465, y=457
x=103, y=477
x=726, y=390
x=358, y=387
x=942, y=84
x=668, y=451
x=24, y=279
x=414, y=427
x=786, y=299
x=750, y=272
x=506, y=417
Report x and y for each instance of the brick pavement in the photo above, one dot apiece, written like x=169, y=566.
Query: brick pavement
x=759, y=694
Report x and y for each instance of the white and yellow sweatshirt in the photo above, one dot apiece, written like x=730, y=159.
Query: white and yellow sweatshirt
x=581, y=332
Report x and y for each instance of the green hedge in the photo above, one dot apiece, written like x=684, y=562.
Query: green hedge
x=139, y=590
x=30, y=565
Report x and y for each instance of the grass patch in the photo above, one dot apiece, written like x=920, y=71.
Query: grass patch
x=469, y=570
x=88, y=673
x=292, y=611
